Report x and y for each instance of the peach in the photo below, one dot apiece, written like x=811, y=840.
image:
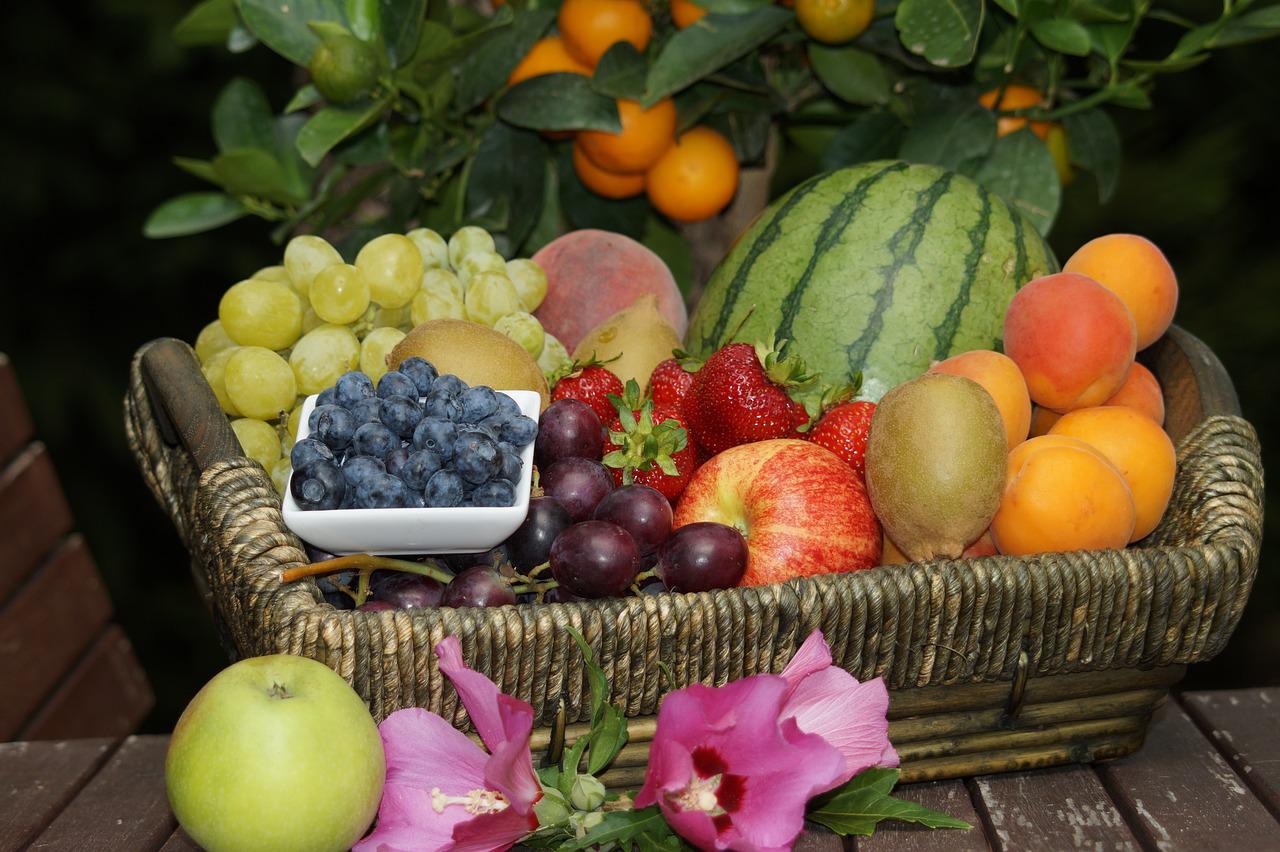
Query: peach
x=1073, y=339
x=1042, y=420
x=1141, y=392
x=1138, y=448
x=1062, y=494
x=1001, y=378
x=1137, y=271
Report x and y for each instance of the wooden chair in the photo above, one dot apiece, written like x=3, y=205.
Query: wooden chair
x=66, y=670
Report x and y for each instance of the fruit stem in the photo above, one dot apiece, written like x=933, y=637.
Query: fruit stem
x=362, y=588
x=364, y=562
x=538, y=588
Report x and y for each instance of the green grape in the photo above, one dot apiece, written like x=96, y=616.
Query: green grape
x=393, y=267
x=215, y=372
x=391, y=317
x=260, y=383
x=280, y=470
x=466, y=241
x=442, y=281
x=375, y=349
x=524, y=329
x=339, y=294
x=261, y=313
x=278, y=274
x=305, y=257
x=554, y=356
x=432, y=247
x=491, y=295
x=258, y=440
x=530, y=281
x=310, y=320
x=322, y=356
x=211, y=340
x=431, y=305
x=480, y=261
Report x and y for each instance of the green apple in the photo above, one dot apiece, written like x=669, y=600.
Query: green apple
x=275, y=753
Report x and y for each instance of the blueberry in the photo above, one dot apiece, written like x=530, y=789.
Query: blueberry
x=519, y=430
x=420, y=467
x=396, y=459
x=396, y=383
x=401, y=414
x=414, y=500
x=507, y=406
x=512, y=464
x=318, y=485
x=478, y=403
x=476, y=457
x=449, y=384
x=334, y=425
x=367, y=410
x=381, y=491
x=374, y=439
x=435, y=433
x=420, y=372
x=353, y=387
x=441, y=404
x=308, y=450
x=327, y=397
x=357, y=468
x=495, y=492
x=444, y=490
x=483, y=428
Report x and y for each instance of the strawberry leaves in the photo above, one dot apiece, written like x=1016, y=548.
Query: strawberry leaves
x=643, y=443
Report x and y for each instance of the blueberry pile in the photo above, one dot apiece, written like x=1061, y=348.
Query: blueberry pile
x=418, y=440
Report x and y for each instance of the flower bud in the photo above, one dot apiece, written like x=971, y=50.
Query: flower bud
x=551, y=809
x=588, y=793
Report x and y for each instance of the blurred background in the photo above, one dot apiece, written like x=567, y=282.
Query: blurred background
x=98, y=98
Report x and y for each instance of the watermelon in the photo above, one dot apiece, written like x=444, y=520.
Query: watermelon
x=882, y=267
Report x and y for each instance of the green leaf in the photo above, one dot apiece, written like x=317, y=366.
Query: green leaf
x=202, y=169
x=1110, y=40
x=584, y=209
x=298, y=173
x=870, y=136
x=1165, y=66
x=1063, y=35
x=949, y=134
x=945, y=32
x=307, y=96
x=1252, y=26
x=550, y=222
x=622, y=828
x=191, y=214
x=596, y=678
x=240, y=40
x=400, y=22
x=1094, y=143
x=709, y=45
x=608, y=737
x=732, y=7
x=282, y=26
x=208, y=23
x=1100, y=11
x=569, y=764
x=851, y=74
x=1020, y=169
x=1010, y=6
x=559, y=102
x=253, y=172
x=863, y=802
x=620, y=72
x=507, y=171
x=242, y=116
x=331, y=125
x=365, y=18
x=486, y=68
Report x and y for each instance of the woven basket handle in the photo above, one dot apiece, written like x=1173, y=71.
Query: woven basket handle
x=184, y=405
x=1196, y=385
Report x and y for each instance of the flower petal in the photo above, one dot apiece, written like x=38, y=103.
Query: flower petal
x=812, y=656
x=407, y=823
x=510, y=771
x=492, y=831
x=847, y=714
x=479, y=694
x=425, y=751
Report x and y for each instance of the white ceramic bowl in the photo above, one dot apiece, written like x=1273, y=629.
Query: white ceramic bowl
x=390, y=531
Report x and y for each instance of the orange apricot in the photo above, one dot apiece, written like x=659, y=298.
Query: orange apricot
x=1001, y=378
x=1137, y=271
x=1042, y=420
x=1138, y=448
x=1061, y=494
x=1141, y=392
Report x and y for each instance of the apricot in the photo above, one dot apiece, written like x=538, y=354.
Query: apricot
x=1062, y=494
x=1137, y=271
x=1073, y=339
x=1141, y=392
x=1138, y=448
x=1001, y=378
x=1042, y=420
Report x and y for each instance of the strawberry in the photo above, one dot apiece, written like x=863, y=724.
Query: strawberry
x=671, y=380
x=843, y=430
x=649, y=444
x=742, y=394
x=592, y=383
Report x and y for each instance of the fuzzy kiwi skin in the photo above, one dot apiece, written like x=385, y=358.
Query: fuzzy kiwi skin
x=936, y=456
x=474, y=353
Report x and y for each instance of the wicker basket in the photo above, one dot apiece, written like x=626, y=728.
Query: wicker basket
x=994, y=664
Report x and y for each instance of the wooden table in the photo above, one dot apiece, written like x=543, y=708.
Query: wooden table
x=1208, y=778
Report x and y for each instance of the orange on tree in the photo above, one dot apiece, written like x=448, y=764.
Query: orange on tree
x=547, y=56
x=686, y=13
x=602, y=182
x=835, y=21
x=696, y=178
x=646, y=135
x=1016, y=97
x=591, y=27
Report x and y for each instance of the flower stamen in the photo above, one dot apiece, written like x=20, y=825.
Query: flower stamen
x=476, y=801
x=700, y=795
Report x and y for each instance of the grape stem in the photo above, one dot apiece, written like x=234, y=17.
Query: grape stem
x=538, y=588
x=364, y=562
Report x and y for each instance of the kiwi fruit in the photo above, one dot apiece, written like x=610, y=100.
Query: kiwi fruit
x=474, y=353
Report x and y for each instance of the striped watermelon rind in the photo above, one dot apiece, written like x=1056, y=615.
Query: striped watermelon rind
x=882, y=267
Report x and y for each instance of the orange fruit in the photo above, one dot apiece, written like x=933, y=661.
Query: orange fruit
x=602, y=182
x=1001, y=378
x=547, y=56
x=1016, y=97
x=1137, y=271
x=591, y=27
x=685, y=13
x=834, y=21
x=696, y=178
x=646, y=135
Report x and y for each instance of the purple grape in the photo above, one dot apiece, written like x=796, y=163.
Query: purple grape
x=479, y=585
x=702, y=556
x=568, y=429
x=374, y=606
x=559, y=595
x=406, y=591
x=595, y=559
x=315, y=554
x=580, y=484
x=530, y=545
x=641, y=511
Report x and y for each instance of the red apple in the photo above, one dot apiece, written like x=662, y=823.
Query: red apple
x=801, y=508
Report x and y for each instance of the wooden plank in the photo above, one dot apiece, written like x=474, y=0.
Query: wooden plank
x=106, y=694
x=1178, y=793
x=33, y=515
x=47, y=626
x=949, y=797
x=817, y=838
x=16, y=428
x=123, y=808
x=1245, y=726
x=38, y=779
x=180, y=842
x=1065, y=808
